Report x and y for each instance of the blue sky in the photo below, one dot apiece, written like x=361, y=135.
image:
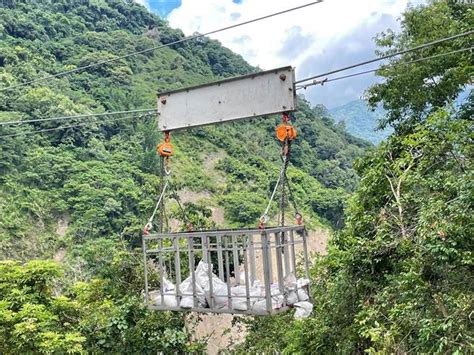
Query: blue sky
x=315, y=39
x=163, y=7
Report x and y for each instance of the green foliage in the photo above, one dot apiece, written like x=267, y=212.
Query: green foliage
x=398, y=276
x=415, y=90
x=327, y=150
x=26, y=323
x=86, y=318
x=244, y=207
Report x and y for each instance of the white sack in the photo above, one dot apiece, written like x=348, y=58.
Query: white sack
x=219, y=287
x=260, y=306
x=168, y=300
x=302, y=295
x=241, y=273
x=219, y=292
x=292, y=298
x=277, y=299
x=290, y=287
x=303, y=310
x=201, y=274
x=240, y=303
x=302, y=282
x=188, y=301
x=290, y=281
x=302, y=287
x=296, y=289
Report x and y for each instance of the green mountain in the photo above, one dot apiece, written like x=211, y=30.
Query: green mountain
x=81, y=194
x=361, y=121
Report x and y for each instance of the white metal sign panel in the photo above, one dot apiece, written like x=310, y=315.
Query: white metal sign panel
x=241, y=97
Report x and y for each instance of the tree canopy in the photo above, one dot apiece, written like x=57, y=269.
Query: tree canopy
x=398, y=276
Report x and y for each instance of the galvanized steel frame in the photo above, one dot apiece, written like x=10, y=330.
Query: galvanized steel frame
x=278, y=240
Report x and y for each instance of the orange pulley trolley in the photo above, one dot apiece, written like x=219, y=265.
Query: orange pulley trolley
x=165, y=149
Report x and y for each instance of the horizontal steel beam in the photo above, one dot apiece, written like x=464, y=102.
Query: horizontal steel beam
x=257, y=94
x=224, y=232
x=217, y=310
x=172, y=250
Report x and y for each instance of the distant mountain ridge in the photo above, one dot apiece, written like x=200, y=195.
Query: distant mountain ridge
x=360, y=121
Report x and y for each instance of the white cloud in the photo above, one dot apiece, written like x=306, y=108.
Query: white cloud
x=145, y=3
x=314, y=39
x=261, y=43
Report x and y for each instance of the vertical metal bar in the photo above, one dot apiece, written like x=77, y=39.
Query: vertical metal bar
x=246, y=270
x=204, y=249
x=160, y=260
x=306, y=260
x=293, y=252
x=169, y=268
x=252, y=260
x=191, y=269
x=305, y=253
x=278, y=256
x=145, y=265
x=266, y=271
x=177, y=269
x=235, y=254
x=219, y=257
x=286, y=252
x=270, y=260
x=207, y=252
x=227, y=272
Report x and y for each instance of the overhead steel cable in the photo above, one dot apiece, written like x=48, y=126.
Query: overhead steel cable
x=328, y=80
x=387, y=56
x=72, y=126
x=185, y=39
x=303, y=86
x=85, y=115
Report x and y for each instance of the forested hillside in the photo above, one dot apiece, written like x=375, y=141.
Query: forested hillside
x=361, y=121
x=81, y=194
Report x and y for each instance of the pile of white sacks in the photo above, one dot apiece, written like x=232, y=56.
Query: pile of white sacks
x=296, y=290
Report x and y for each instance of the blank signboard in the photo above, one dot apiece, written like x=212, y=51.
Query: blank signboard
x=246, y=96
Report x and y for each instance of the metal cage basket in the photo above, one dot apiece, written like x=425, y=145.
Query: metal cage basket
x=245, y=271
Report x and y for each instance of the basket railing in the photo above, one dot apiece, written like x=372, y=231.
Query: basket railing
x=225, y=271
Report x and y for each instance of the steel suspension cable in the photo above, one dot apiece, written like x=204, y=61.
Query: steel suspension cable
x=69, y=126
x=328, y=80
x=286, y=160
x=75, y=70
x=84, y=115
x=387, y=56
